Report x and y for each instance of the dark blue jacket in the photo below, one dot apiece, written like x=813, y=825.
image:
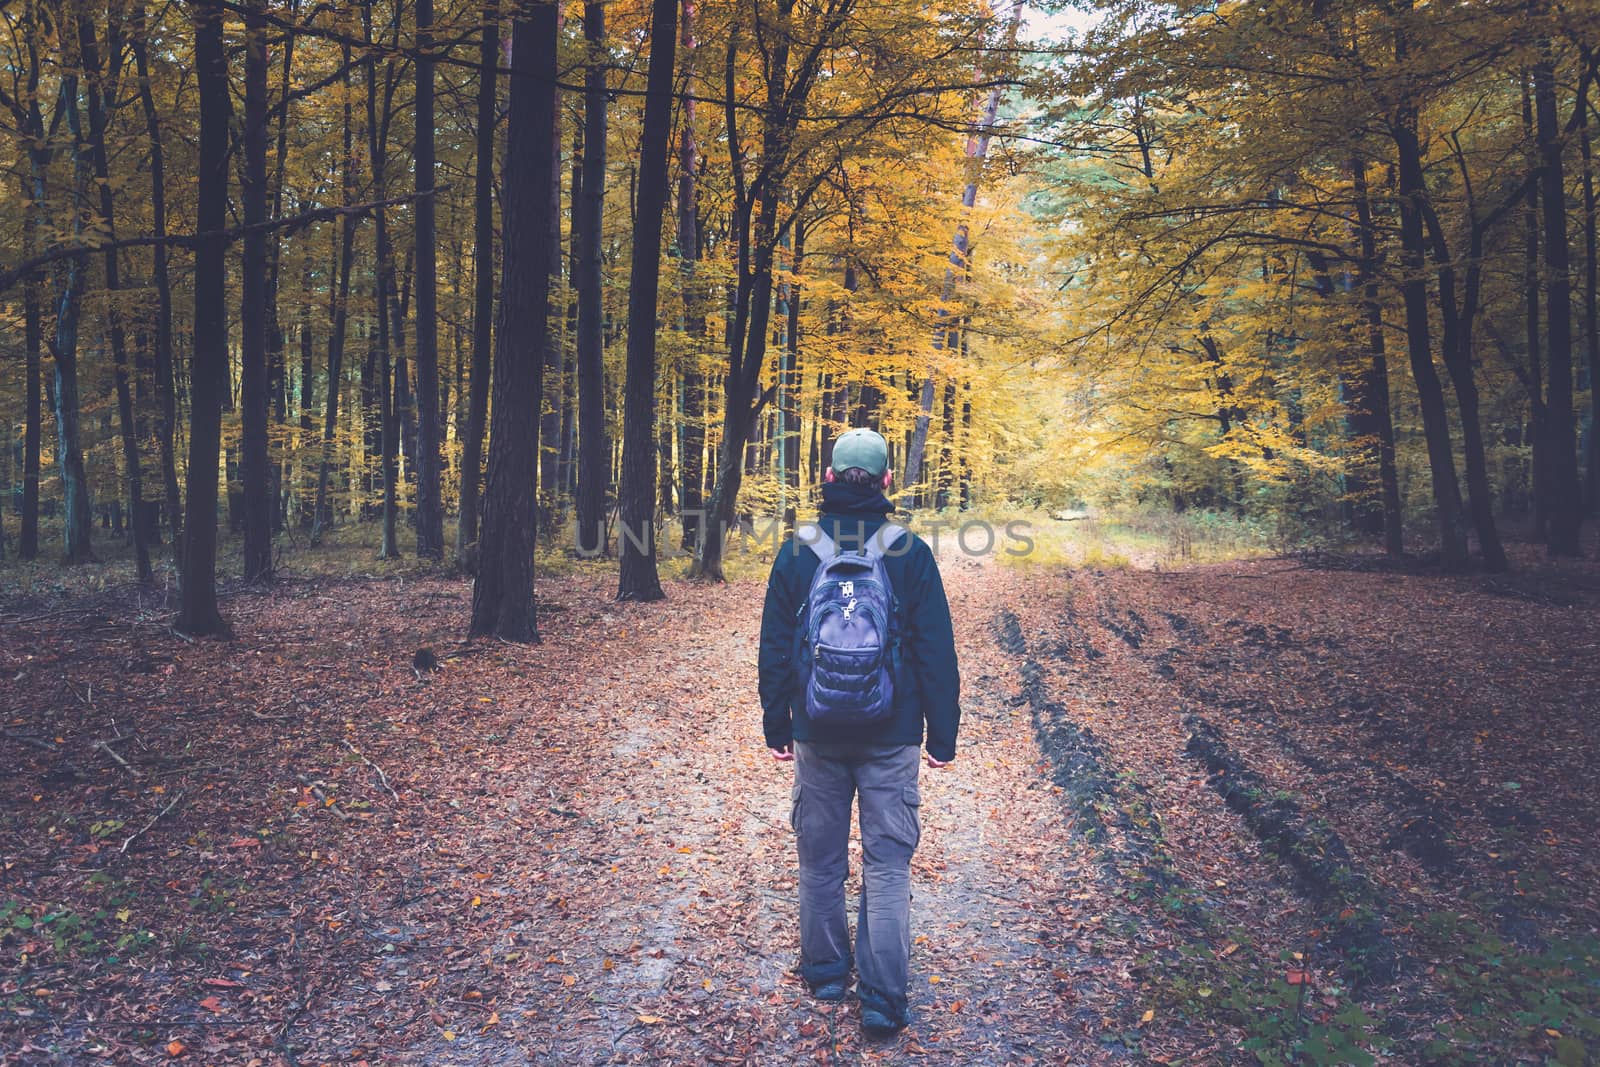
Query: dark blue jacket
x=927, y=689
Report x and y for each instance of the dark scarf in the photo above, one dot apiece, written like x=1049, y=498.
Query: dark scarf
x=840, y=498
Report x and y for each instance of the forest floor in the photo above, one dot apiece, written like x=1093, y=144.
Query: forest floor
x=1318, y=809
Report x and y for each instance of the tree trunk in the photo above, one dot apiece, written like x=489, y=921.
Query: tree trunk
x=102, y=92
x=1566, y=499
x=1538, y=424
x=254, y=464
x=692, y=437
x=1414, y=289
x=502, y=595
x=593, y=447
x=166, y=387
x=33, y=340
x=555, y=348
x=69, y=309
x=277, y=364
x=1457, y=320
x=430, y=504
x=483, y=285
x=208, y=374
x=789, y=380
x=638, y=579
x=1374, y=379
x=323, y=515
x=387, y=329
x=1591, y=298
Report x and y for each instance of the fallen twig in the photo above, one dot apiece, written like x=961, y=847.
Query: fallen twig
x=268, y=718
x=384, y=778
x=105, y=746
x=327, y=801
x=174, y=802
x=27, y=739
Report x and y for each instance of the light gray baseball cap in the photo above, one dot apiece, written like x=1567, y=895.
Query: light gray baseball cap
x=863, y=448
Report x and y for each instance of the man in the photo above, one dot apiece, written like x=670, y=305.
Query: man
x=836, y=758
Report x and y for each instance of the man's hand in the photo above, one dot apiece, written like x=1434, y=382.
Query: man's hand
x=784, y=754
x=939, y=762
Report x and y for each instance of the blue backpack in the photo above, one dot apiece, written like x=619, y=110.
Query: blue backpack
x=849, y=631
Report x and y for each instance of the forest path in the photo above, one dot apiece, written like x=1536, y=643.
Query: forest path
x=293, y=848
x=664, y=926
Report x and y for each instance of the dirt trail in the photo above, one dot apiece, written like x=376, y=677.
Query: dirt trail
x=671, y=932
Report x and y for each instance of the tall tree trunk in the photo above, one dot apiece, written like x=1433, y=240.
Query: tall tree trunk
x=33, y=341
x=307, y=402
x=692, y=439
x=1566, y=499
x=379, y=117
x=1538, y=422
x=166, y=387
x=1414, y=289
x=638, y=579
x=103, y=92
x=1374, y=379
x=944, y=334
x=430, y=503
x=483, y=285
x=1457, y=321
x=1591, y=296
x=555, y=348
x=789, y=385
x=341, y=313
x=502, y=595
x=69, y=309
x=594, y=468
x=277, y=364
x=388, y=424
x=254, y=464
x=208, y=373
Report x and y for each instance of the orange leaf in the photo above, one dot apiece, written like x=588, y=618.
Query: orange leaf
x=1297, y=977
x=650, y=1020
x=211, y=1004
x=175, y=1047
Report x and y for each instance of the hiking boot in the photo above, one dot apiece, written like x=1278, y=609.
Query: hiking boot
x=877, y=1024
x=833, y=991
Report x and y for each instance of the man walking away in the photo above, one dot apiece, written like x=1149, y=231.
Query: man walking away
x=857, y=657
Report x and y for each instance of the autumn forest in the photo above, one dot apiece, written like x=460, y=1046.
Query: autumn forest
x=459, y=362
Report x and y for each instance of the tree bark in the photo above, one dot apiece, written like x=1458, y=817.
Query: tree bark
x=1538, y=422
x=1566, y=498
x=208, y=374
x=1414, y=290
x=166, y=387
x=483, y=285
x=692, y=439
x=323, y=515
x=502, y=594
x=430, y=504
x=102, y=91
x=1374, y=378
x=253, y=386
x=638, y=579
x=33, y=341
x=1591, y=297
x=69, y=309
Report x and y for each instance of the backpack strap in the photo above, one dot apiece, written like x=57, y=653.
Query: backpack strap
x=882, y=539
x=813, y=537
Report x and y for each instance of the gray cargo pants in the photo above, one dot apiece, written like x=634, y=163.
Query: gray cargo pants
x=827, y=776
